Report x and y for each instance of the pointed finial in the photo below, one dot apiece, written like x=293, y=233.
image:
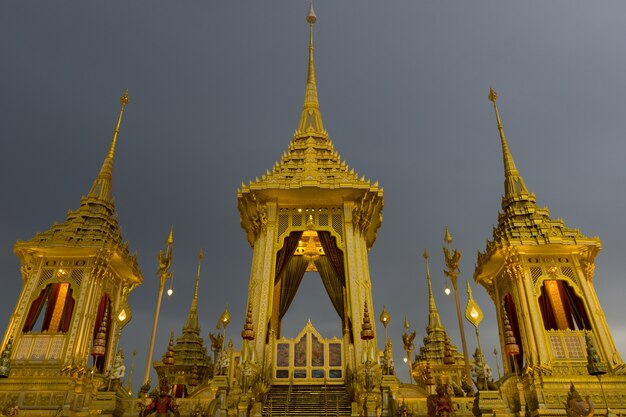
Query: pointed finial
x=493, y=96
x=101, y=187
x=169, y=355
x=311, y=17
x=192, y=317
x=311, y=117
x=406, y=323
x=448, y=236
x=434, y=321
x=170, y=236
x=513, y=182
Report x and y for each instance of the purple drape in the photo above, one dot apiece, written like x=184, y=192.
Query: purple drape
x=294, y=272
x=335, y=255
x=331, y=282
x=284, y=255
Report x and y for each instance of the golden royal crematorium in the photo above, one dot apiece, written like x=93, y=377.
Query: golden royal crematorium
x=311, y=213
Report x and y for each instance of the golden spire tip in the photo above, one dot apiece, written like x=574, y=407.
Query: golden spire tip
x=170, y=237
x=200, y=255
x=425, y=254
x=493, y=96
x=311, y=17
x=448, y=236
x=124, y=98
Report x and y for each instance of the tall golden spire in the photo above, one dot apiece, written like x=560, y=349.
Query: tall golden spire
x=311, y=117
x=101, y=188
x=434, y=321
x=192, y=317
x=514, y=186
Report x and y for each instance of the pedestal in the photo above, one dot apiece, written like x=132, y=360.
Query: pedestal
x=221, y=382
x=389, y=387
x=372, y=405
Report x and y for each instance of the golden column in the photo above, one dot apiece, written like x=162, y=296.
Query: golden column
x=452, y=263
x=165, y=262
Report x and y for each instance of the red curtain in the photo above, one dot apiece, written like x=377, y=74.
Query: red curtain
x=67, y=312
x=577, y=307
x=35, y=309
x=549, y=321
x=575, y=311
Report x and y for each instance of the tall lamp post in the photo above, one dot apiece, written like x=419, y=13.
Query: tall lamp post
x=452, y=263
x=165, y=262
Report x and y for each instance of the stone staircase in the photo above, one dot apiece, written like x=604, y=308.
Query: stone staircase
x=307, y=401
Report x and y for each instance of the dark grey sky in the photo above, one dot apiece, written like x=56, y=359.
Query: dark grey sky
x=216, y=90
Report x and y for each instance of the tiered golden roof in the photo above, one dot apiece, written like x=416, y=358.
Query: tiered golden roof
x=94, y=224
x=436, y=339
x=521, y=222
x=310, y=162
